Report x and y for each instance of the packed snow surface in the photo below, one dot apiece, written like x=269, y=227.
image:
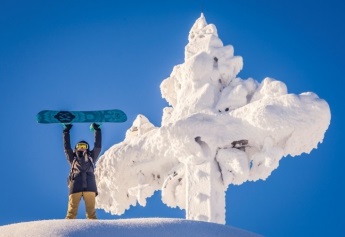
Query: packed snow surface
x=153, y=227
x=218, y=130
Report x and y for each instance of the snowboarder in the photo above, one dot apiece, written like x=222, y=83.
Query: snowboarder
x=81, y=179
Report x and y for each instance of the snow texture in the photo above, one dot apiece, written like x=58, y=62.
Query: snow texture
x=153, y=227
x=218, y=130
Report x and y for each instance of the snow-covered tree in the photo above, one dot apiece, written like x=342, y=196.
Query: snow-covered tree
x=219, y=130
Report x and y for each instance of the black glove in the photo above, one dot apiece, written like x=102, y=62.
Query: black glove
x=67, y=127
x=96, y=126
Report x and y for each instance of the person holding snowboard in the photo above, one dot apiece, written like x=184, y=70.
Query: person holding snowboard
x=81, y=179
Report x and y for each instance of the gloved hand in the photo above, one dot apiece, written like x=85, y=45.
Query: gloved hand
x=95, y=126
x=67, y=127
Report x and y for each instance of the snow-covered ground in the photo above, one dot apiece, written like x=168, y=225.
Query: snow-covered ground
x=125, y=228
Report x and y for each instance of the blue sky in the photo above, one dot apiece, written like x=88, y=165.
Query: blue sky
x=88, y=55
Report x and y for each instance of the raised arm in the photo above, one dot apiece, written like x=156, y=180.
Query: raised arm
x=67, y=143
x=98, y=142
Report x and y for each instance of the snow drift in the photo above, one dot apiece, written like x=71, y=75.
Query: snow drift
x=153, y=227
x=218, y=130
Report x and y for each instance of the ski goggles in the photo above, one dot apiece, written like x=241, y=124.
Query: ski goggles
x=81, y=146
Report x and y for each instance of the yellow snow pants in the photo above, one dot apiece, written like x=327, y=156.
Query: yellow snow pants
x=73, y=205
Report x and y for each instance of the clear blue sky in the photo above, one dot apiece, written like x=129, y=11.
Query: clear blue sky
x=88, y=55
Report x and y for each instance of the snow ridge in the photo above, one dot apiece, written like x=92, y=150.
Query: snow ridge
x=153, y=227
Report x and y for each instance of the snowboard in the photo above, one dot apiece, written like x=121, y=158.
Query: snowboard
x=97, y=116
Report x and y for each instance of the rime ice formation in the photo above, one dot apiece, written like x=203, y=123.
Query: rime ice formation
x=219, y=130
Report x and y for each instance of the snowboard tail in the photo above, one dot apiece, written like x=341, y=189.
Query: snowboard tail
x=97, y=116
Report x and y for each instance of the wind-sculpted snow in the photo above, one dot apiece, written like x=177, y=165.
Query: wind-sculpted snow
x=153, y=227
x=219, y=130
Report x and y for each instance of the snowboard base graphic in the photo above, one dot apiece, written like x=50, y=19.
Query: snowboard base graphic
x=97, y=116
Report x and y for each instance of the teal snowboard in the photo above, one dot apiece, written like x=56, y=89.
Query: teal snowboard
x=97, y=116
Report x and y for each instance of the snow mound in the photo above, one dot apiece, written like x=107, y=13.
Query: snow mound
x=125, y=228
